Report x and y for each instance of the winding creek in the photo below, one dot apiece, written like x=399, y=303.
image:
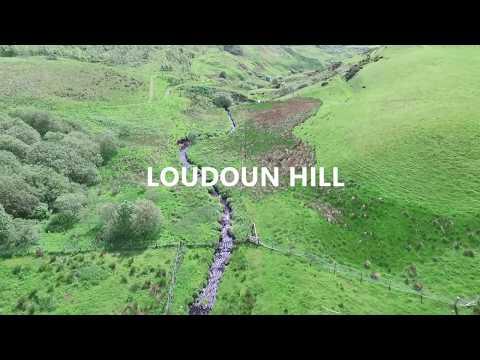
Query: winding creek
x=205, y=299
x=232, y=120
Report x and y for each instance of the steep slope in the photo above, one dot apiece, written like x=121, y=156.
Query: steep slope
x=406, y=127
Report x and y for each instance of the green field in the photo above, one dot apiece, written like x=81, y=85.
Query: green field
x=402, y=237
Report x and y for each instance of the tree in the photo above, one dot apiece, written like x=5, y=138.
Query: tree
x=119, y=228
x=223, y=101
x=129, y=222
x=147, y=219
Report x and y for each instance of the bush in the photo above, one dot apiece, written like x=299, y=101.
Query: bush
x=26, y=233
x=61, y=222
x=233, y=49
x=9, y=164
x=48, y=183
x=65, y=160
x=223, y=101
x=83, y=146
x=128, y=222
x=41, y=212
x=147, y=219
x=70, y=203
x=7, y=51
x=119, y=226
x=68, y=208
x=108, y=146
x=6, y=228
x=14, y=145
x=41, y=121
x=17, y=197
x=19, y=130
x=53, y=136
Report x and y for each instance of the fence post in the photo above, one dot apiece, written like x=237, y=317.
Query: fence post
x=334, y=268
x=455, y=305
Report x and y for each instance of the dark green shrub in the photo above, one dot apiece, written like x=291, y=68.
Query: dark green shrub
x=17, y=197
x=17, y=269
x=21, y=303
x=48, y=183
x=233, y=49
x=53, y=136
x=14, y=145
x=9, y=164
x=65, y=160
x=7, y=51
x=224, y=101
x=41, y=121
x=83, y=146
x=41, y=212
x=119, y=227
x=147, y=219
x=70, y=203
x=68, y=207
x=60, y=223
x=19, y=130
x=6, y=228
x=129, y=222
x=108, y=146
x=26, y=233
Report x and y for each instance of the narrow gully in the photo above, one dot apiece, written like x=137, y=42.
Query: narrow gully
x=205, y=300
x=232, y=120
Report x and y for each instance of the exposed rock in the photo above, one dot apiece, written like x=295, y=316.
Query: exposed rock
x=376, y=275
x=418, y=286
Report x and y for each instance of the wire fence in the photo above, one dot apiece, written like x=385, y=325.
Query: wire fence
x=173, y=280
x=387, y=281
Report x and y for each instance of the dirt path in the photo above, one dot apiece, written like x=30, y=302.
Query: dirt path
x=205, y=300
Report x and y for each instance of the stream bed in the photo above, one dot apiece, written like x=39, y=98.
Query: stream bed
x=205, y=299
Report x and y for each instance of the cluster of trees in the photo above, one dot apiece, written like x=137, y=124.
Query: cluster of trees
x=129, y=222
x=45, y=165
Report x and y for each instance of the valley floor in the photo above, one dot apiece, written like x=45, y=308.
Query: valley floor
x=372, y=247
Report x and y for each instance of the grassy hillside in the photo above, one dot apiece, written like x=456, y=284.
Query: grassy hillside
x=406, y=127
